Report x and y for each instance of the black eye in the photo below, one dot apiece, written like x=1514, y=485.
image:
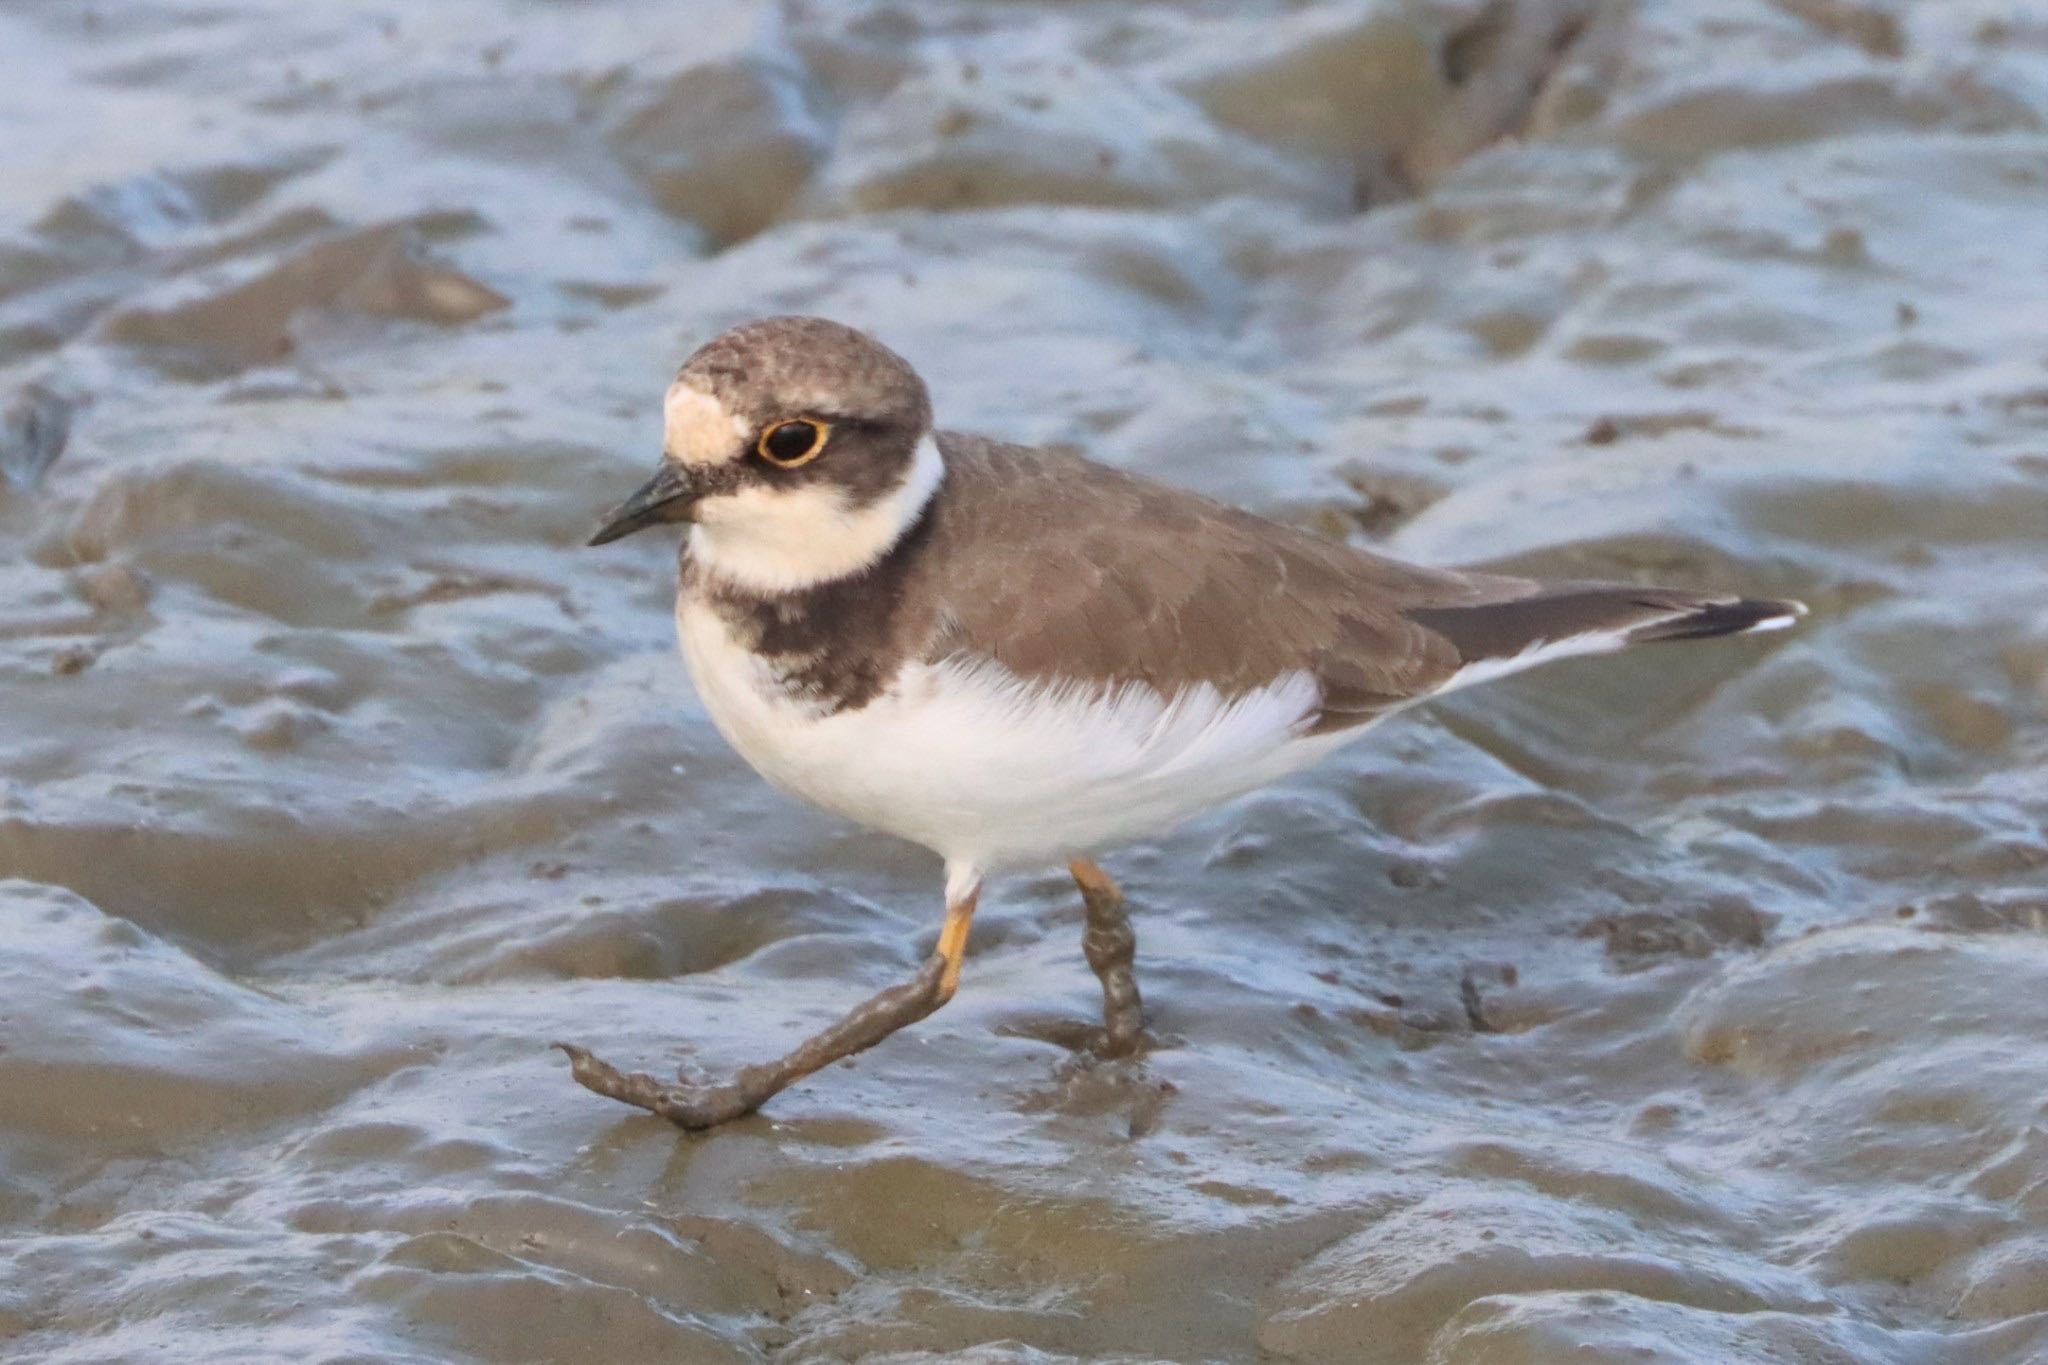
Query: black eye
x=790, y=444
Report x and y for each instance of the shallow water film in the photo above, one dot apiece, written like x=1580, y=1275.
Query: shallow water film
x=1687, y=1006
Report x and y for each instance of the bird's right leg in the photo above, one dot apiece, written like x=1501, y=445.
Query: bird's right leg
x=1111, y=945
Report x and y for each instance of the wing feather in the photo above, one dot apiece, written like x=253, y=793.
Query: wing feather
x=1081, y=574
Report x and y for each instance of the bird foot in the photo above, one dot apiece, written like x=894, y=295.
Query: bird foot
x=692, y=1107
x=1122, y=1037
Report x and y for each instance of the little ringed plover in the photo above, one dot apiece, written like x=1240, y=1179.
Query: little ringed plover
x=1013, y=656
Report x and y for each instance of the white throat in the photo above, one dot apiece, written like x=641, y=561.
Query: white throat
x=781, y=540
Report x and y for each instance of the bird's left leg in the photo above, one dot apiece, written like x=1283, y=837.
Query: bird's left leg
x=1111, y=945
x=705, y=1106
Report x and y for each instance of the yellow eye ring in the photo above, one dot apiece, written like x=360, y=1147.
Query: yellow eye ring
x=794, y=442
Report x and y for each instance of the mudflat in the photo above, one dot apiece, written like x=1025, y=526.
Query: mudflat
x=1681, y=1006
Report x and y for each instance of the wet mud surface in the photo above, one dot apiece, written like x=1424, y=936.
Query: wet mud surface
x=1680, y=1007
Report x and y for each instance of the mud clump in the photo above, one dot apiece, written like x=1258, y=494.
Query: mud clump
x=379, y=272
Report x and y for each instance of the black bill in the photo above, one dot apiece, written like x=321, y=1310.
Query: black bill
x=668, y=496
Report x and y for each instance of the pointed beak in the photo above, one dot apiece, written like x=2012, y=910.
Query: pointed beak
x=668, y=496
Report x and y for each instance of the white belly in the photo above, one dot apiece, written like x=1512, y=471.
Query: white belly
x=988, y=771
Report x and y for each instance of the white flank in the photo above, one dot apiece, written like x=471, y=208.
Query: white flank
x=990, y=771
x=778, y=539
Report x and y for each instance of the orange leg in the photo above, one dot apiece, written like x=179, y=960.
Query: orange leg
x=705, y=1106
x=1111, y=946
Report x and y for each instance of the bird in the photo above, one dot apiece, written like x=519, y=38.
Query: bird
x=1017, y=656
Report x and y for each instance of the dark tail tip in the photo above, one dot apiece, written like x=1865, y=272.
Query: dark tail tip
x=1741, y=617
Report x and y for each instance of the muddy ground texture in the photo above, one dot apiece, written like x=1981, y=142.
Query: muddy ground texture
x=1681, y=1007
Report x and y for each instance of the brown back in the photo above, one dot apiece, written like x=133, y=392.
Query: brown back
x=1059, y=568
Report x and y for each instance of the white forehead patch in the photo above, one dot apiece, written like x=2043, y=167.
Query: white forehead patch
x=697, y=429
